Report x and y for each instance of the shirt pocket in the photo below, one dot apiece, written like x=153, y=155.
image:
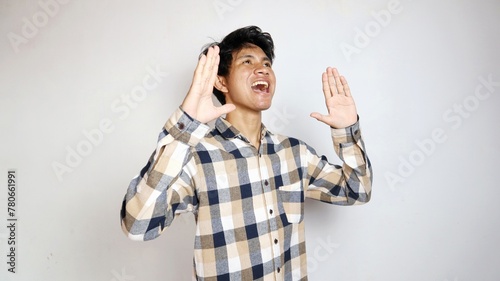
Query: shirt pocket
x=292, y=199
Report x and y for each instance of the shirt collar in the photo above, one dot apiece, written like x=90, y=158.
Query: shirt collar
x=228, y=131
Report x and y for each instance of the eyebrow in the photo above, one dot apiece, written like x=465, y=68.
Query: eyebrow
x=253, y=57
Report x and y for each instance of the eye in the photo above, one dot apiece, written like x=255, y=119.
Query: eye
x=268, y=64
x=247, y=62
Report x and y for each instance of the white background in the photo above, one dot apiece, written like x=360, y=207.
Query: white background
x=434, y=213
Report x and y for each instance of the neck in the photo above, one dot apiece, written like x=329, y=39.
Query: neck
x=249, y=124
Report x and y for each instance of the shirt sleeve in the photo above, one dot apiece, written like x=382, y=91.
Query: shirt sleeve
x=346, y=184
x=164, y=186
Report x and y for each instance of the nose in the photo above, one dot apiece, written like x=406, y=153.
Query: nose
x=262, y=69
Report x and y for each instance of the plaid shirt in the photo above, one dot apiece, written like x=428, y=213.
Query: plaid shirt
x=248, y=202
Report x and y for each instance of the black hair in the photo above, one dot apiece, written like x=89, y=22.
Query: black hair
x=235, y=41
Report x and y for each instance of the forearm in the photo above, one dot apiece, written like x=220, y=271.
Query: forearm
x=153, y=196
x=350, y=183
x=356, y=168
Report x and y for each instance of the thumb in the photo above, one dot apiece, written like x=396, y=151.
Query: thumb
x=224, y=109
x=318, y=116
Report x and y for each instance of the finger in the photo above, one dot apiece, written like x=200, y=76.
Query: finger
x=207, y=68
x=331, y=81
x=338, y=83
x=347, y=89
x=198, y=72
x=213, y=74
x=210, y=68
x=214, y=53
x=318, y=116
x=226, y=108
x=326, y=86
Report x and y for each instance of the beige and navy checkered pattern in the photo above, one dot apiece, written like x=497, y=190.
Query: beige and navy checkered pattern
x=248, y=203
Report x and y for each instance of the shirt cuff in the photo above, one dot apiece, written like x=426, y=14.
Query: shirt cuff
x=351, y=134
x=186, y=129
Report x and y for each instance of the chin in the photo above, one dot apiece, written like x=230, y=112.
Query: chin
x=264, y=106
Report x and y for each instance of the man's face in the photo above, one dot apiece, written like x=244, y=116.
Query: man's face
x=251, y=81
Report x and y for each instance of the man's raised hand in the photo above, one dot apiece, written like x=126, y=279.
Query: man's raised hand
x=198, y=101
x=339, y=102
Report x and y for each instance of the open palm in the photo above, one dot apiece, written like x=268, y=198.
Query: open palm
x=198, y=102
x=339, y=102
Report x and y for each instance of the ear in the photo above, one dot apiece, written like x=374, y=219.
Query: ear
x=221, y=84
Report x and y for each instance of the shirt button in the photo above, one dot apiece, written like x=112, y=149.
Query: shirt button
x=180, y=126
x=271, y=211
x=266, y=183
x=278, y=270
x=275, y=241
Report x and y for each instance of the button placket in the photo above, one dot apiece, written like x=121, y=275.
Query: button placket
x=270, y=201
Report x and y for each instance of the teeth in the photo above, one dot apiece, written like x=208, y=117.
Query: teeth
x=260, y=83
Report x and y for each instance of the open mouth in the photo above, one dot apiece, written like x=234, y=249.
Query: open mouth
x=260, y=86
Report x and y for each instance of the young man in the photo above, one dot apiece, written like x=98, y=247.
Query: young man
x=245, y=185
